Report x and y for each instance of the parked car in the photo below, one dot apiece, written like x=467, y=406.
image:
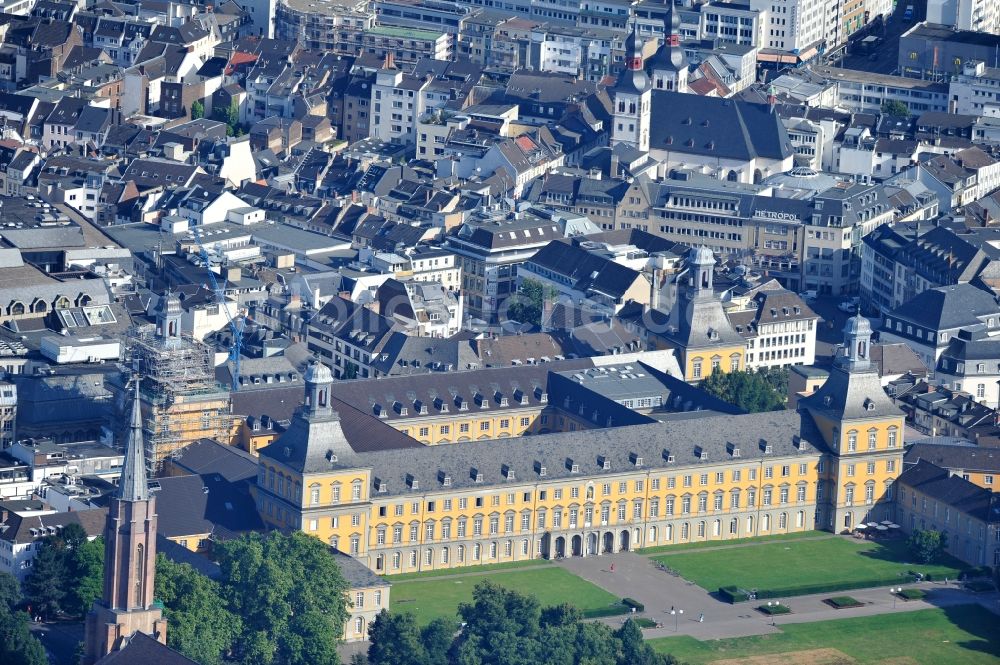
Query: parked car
x=847, y=306
x=808, y=295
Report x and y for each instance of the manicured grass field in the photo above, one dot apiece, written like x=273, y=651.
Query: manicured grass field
x=439, y=596
x=708, y=544
x=964, y=635
x=529, y=563
x=786, y=565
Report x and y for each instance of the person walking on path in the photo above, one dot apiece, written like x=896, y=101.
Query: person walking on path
x=701, y=618
x=612, y=567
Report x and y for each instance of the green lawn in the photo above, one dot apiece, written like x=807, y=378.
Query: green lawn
x=964, y=635
x=444, y=572
x=708, y=544
x=439, y=596
x=784, y=566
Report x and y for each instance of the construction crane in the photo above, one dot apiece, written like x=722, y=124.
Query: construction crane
x=235, y=327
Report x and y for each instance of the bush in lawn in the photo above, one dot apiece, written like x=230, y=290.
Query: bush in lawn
x=645, y=622
x=633, y=604
x=842, y=602
x=912, y=594
x=733, y=595
x=775, y=609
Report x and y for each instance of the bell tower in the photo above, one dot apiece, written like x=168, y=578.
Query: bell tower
x=168, y=318
x=126, y=605
x=632, y=99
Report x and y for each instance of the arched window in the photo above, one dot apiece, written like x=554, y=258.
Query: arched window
x=140, y=571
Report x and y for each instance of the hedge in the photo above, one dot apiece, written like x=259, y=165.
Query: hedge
x=609, y=611
x=733, y=595
x=912, y=594
x=843, y=602
x=633, y=604
x=977, y=586
x=775, y=609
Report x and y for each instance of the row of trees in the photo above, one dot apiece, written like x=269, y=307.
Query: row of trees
x=66, y=575
x=752, y=391
x=503, y=627
x=17, y=645
x=280, y=599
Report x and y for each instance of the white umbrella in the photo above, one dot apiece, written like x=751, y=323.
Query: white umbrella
x=861, y=526
x=873, y=524
x=894, y=526
x=887, y=522
x=882, y=527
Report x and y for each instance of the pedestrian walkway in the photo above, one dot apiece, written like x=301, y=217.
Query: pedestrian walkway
x=635, y=576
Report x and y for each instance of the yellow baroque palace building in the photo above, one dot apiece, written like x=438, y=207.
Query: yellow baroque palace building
x=689, y=478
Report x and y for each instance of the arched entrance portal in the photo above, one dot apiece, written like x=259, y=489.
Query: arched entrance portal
x=560, y=547
x=624, y=544
x=609, y=543
x=577, y=545
x=592, y=544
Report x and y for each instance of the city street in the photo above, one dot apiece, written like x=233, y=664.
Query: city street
x=885, y=60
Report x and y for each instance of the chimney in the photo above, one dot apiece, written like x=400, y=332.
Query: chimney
x=614, y=165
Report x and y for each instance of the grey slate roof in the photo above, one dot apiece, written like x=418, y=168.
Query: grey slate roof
x=717, y=127
x=679, y=440
x=947, y=307
x=953, y=491
x=134, y=484
x=851, y=395
x=956, y=456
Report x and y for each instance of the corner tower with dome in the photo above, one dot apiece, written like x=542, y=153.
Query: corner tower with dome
x=632, y=99
x=698, y=328
x=863, y=431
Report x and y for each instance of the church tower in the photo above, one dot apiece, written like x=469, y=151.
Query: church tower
x=632, y=100
x=126, y=604
x=669, y=66
x=863, y=432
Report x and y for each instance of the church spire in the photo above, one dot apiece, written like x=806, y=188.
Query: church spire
x=134, y=485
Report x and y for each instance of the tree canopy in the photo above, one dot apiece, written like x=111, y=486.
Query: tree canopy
x=895, y=107
x=200, y=625
x=752, y=391
x=289, y=595
x=17, y=645
x=503, y=627
x=927, y=545
x=66, y=575
x=528, y=304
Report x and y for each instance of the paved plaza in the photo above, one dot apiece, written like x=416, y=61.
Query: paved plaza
x=636, y=577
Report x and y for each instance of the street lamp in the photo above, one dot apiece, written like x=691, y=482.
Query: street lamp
x=771, y=607
x=676, y=614
x=894, y=590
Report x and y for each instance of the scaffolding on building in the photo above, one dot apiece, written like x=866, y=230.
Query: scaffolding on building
x=182, y=400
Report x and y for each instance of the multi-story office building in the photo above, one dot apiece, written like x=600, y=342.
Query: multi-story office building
x=831, y=465
x=778, y=326
x=491, y=248
x=733, y=21
x=327, y=26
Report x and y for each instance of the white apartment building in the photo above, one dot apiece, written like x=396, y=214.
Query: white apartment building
x=973, y=15
x=733, y=21
x=778, y=326
x=795, y=25
x=975, y=91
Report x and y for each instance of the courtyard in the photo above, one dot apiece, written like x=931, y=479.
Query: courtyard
x=438, y=595
x=794, y=566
